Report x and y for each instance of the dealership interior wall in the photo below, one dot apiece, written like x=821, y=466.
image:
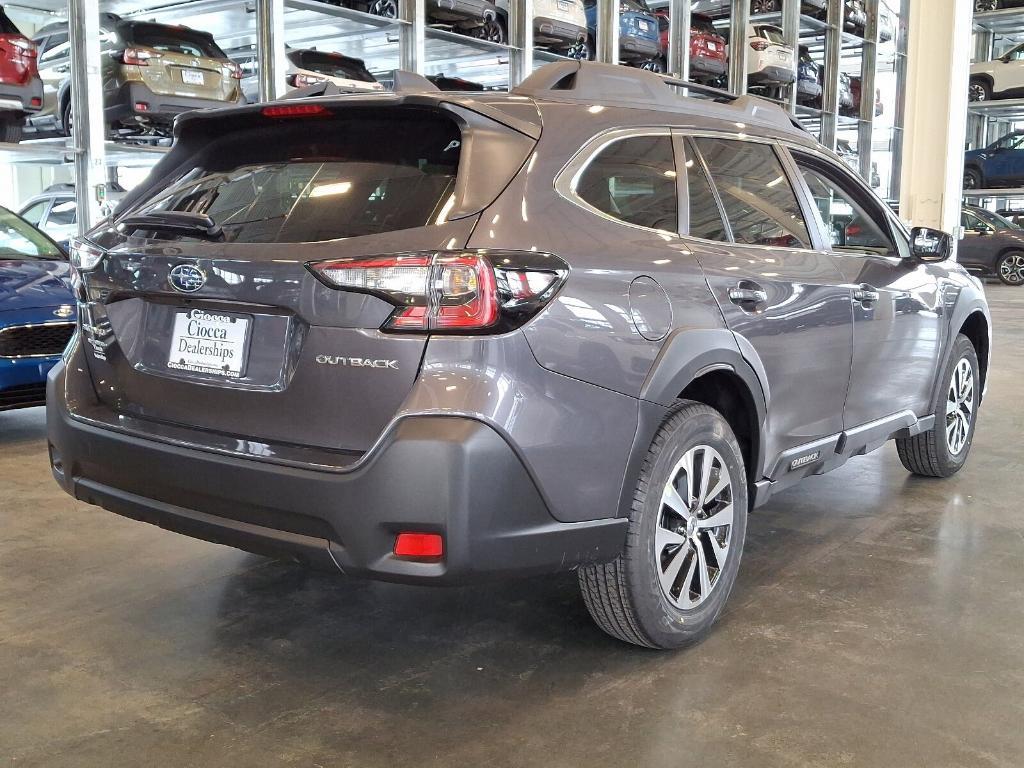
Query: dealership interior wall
x=878, y=619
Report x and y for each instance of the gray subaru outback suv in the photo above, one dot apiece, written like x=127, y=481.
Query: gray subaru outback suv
x=586, y=326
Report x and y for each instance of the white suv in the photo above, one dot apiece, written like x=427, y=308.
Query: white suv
x=1001, y=78
x=770, y=61
x=557, y=24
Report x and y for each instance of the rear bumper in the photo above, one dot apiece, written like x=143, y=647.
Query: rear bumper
x=162, y=108
x=632, y=46
x=773, y=74
x=559, y=31
x=18, y=98
x=810, y=89
x=439, y=474
x=708, y=65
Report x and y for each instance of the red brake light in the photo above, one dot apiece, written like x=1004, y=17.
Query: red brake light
x=136, y=56
x=295, y=110
x=300, y=80
x=235, y=70
x=446, y=291
x=759, y=45
x=419, y=545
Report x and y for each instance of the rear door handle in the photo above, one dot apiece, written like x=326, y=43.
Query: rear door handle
x=748, y=295
x=866, y=294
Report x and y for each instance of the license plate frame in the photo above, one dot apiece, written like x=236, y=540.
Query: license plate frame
x=196, y=343
x=193, y=77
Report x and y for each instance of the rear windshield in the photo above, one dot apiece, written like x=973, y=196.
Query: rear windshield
x=703, y=25
x=20, y=240
x=332, y=65
x=173, y=40
x=773, y=35
x=320, y=179
x=7, y=27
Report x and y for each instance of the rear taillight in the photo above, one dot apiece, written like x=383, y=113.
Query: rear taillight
x=759, y=45
x=234, y=70
x=452, y=291
x=84, y=255
x=137, y=56
x=299, y=80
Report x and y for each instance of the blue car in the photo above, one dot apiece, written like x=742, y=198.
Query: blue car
x=639, y=37
x=37, y=310
x=1001, y=164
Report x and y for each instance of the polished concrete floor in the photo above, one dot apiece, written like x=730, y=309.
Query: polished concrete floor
x=878, y=621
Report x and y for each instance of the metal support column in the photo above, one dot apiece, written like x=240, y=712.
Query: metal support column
x=608, y=31
x=900, y=114
x=739, y=49
x=87, y=113
x=678, y=55
x=978, y=126
x=791, y=32
x=833, y=53
x=520, y=28
x=412, y=37
x=866, y=108
x=270, y=49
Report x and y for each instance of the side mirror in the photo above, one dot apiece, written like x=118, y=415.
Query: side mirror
x=930, y=245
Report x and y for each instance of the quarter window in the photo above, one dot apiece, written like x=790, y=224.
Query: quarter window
x=34, y=214
x=634, y=180
x=759, y=202
x=851, y=222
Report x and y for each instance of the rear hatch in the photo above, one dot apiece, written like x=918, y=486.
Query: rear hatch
x=234, y=334
x=342, y=70
x=705, y=40
x=17, y=54
x=182, y=62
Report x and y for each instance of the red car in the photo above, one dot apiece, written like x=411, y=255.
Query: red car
x=708, y=50
x=21, y=89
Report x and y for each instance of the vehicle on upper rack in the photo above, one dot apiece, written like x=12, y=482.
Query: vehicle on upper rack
x=476, y=18
x=886, y=23
x=485, y=348
x=307, y=66
x=448, y=83
x=37, y=310
x=855, y=16
x=55, y=210
x=21, y=88
x=982, y=6
x=852, y=109
x=558, y=25
x=992, y=245
x=809, y=74
x=845, y=97
x=1001, y=78
x=639, y=37
x=1000, y=164
x=770, y=61
x=151, y=73
x=709, y=51
x=717, y=8
x=1012, y=215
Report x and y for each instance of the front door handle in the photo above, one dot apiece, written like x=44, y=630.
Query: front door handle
x=866, y=294
x=748, y=295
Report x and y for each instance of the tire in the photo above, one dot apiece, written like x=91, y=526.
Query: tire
x=652, y=65
x=981, y=6
x=386, y=8
x=973, y=179
x=979, y=90
x=1010, y=268
x=11, y=128
x=493, y=30
x=627, y=597
x=934, y=453
x=66, y=127
x=765, y=6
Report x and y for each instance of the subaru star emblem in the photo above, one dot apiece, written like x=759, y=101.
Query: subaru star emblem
x=187, y=278
x=64, y=311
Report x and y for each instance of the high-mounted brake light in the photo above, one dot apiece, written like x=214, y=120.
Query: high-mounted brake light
x=477, y=291
x=295, y=110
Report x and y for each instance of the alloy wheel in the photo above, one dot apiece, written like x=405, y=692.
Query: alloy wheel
x=976, y=92
x=386, y=8
x=1011, y=269
x=691, y=543
x=970, y=181
x=980, y=6
x=764, y=6
x=492, y=31
x=959, y=407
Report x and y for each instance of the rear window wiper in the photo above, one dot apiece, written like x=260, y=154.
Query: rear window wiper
x=182, y=222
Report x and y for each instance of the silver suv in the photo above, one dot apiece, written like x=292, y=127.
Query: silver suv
x=586, y=326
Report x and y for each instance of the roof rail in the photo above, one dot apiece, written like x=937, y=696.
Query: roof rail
x=628, y=86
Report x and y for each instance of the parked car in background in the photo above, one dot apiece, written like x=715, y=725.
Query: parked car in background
x=809, y=73
x=55, y=210
x=717, y=8
x=1000, y=164
x=436, y=388
x=853, y=109
x=709, y=51
x=845, y=100
x=559, y=25
x=992, y=245
x=446, y=83
x=1013, y=215
x=769, y=61
x=477, y=18
x=306, y=67
x=886, y=23
x=639, y=38
x=21, y=88
x=855, y=16
x=1001, y=78
x=151, y=73
x=37, y=311
x=981, y=6
x=386, y=8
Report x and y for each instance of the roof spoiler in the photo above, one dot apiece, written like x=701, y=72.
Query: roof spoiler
x=404, y=83
x=628, y=86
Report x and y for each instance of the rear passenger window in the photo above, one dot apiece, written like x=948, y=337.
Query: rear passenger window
x=62, y=213
x=705, y=219
x=757, y=197
x=634, y=180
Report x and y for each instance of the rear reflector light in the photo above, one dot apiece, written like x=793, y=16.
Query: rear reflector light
x=452, y=291
x=36, y=101
x=419, y=545
x=295, y=110
x=141, y=106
